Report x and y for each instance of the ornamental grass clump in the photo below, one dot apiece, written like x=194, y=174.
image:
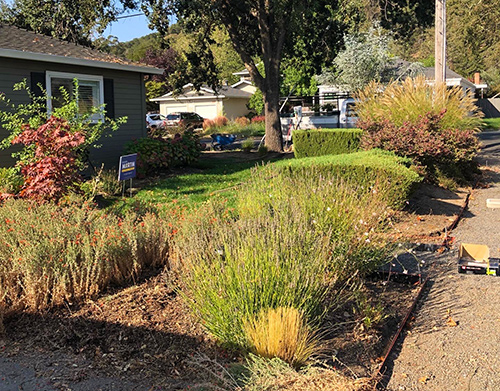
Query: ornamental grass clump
x=234, y=268
x=275, y=374
x=290, y=241
x=53, y=255
x=432, y=125
x=409, y=100
x=282, y=333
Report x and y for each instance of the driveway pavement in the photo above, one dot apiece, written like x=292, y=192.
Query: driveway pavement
x=454, y=342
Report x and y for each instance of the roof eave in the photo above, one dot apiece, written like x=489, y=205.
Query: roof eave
x=21, y=55
x=182, y=98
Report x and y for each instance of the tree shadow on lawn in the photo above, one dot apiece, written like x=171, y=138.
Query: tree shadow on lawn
x=194, y=185
x=199, y=174
x=143, y=334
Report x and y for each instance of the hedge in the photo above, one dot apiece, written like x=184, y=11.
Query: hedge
x=387, y=173
x=319, y=142
x=158, y=154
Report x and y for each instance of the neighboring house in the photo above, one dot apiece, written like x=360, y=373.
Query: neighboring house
x=453, y=79
x=245, y=83
x=230, y=101
x=103, y=79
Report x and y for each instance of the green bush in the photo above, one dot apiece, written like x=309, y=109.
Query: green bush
x=155, y=154
x=10, y=180
x=382, y=171
x=104, y=182
x=248, y=144
x=52, y=254
x=319, y=142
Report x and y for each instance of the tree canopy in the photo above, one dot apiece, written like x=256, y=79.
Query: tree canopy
x=367, y=58
x=77, y=21
x=270, y=31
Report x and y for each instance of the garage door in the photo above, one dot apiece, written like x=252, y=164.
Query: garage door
x=175, y=109
x=206, y=111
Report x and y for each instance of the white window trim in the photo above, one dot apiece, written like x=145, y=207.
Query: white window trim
x=79, y=76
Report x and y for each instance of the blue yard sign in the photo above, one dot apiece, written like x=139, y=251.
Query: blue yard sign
x=127, y=169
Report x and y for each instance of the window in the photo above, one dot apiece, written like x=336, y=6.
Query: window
x=157, y=117
x=90, y=91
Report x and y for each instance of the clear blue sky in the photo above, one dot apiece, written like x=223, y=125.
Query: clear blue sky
x=129, y=28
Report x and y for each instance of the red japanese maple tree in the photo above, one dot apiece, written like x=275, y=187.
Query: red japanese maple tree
x=53, y=170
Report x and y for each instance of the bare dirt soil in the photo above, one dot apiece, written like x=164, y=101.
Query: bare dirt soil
x=428, y=215
x=144, y=338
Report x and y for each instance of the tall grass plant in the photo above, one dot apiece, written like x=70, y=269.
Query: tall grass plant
x=282, y=333
x=407, y=101
x=237, y=267
x=287, y=243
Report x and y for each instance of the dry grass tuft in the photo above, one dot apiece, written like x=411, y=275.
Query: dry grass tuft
x=267, y=375
x=282, y=333
x=261, y=374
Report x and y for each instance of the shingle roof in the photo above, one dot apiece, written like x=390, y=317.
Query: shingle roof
x=429, y=73
x=16, y=39
x=206, y=92
x=232, y=92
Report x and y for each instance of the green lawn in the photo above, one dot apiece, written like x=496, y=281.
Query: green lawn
x=211, y=179
x=491, y=124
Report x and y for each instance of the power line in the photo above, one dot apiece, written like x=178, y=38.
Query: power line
x=129, y=16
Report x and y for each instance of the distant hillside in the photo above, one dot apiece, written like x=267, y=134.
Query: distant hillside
x=135, y=49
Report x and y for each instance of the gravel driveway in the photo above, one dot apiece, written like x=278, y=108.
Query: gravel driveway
x=454, y=341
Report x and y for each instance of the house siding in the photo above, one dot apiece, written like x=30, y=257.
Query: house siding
x=129, y=100
x=234, y=107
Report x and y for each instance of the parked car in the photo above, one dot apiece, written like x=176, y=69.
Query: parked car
x=155, y=121
x=348, y=118
x=188, y=119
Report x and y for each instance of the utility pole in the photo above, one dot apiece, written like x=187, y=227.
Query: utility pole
x=440, y=42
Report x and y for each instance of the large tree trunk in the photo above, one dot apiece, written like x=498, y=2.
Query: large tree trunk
x=274, y=139
x=272, y=29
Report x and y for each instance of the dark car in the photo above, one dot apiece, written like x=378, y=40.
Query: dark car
x=187, y=119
